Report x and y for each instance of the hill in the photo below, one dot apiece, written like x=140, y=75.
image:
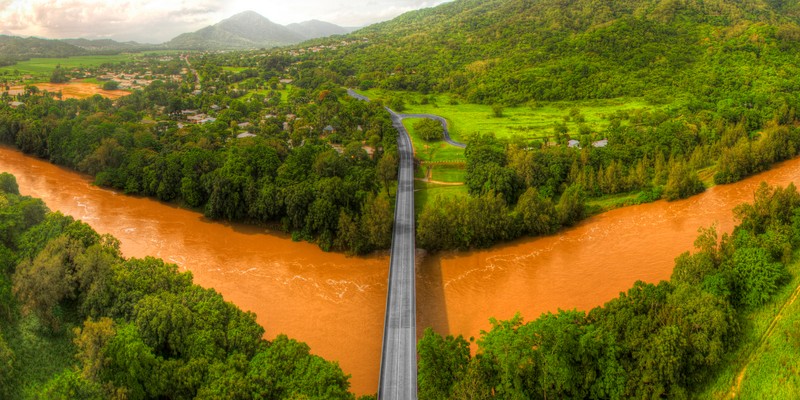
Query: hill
x=317, y=29
x=250, y=30
x=108, y=45
x=13, y=49
x=514, y=51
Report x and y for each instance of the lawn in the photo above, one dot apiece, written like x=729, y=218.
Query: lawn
x=528, y=122
x=41, y=68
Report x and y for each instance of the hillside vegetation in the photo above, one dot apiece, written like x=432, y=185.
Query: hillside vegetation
x=514, y=51
x=13, y=49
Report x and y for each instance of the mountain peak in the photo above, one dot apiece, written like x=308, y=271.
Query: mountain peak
x=246, y=16
x=250, y=30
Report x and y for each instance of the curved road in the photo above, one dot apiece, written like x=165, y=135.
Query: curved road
x=398, y=374
x=442, y=121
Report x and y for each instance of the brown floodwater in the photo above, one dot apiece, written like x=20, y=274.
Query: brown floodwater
x=336, y=303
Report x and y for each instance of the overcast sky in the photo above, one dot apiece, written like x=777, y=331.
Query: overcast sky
x=156, y=21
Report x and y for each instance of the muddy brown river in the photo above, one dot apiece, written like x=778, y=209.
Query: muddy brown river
x=336, y=303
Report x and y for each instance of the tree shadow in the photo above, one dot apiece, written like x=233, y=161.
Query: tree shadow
x=431, y=300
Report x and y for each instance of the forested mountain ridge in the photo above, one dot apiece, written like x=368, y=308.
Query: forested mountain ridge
x=13, y=49
x=513, y=51
x=109, y=46
x=317, y=29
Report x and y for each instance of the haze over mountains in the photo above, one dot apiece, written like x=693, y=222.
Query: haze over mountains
x=246, y=30
x=249, y=30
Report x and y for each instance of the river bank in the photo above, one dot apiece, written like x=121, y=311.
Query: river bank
x=336, y=303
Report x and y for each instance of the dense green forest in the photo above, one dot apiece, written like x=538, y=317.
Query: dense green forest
x=662, y=340
x=80, y=321
x=286, y=171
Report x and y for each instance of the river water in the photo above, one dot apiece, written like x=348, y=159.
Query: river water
x=336, y=303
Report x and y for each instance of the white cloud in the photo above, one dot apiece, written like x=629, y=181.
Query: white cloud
x=156, y=21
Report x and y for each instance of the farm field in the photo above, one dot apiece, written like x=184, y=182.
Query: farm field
x=530, y=122
x=41, y=68
x=73, y=90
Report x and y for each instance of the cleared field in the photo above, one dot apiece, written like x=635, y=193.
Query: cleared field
x=530, y=122
x=43, y=67
x=234, y=69
x=73, y=90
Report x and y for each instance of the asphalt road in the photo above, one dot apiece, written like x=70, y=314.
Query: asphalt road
x=444, y=126
x=398, y=376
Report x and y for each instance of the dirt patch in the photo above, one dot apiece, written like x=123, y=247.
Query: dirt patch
x=73, y=90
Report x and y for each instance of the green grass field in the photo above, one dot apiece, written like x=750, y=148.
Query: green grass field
x=42, y=67
x=774, y=371
x=437, y=151
x=235, y=69
x=768, y=357
x=425, y=192
x=525, y=122
x=449, y=173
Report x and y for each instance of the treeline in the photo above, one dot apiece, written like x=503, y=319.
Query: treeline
x=520, y=189
x=145, y=331
x=319, y=185
x=654, y=341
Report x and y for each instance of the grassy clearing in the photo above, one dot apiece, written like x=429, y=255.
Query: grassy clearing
x=774, y=371
x=769, y=360
x=607, y=203
x=425, y=192
x=449, y=173
x=39, y=354
x=529, y=122
x=432, y=151
x=41, y=68
x=235, y=69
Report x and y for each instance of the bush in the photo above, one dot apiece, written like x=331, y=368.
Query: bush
x=111, y=85
x=429, y=130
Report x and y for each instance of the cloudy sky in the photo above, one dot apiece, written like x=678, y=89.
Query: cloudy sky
x=156, y=21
